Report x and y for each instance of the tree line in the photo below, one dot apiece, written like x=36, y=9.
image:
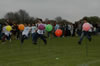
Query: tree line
x=22, y=16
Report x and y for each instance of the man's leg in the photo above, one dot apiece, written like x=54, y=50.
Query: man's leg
x=3, y=38
x=89, y=36
x=36, y=36
x=43, y=38
x=81, y=38
x=22, y=38
x=8, y=37
x=33, y=37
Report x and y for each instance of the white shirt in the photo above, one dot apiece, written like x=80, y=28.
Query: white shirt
x=30, y=28
x=40, y=31
x=33, y=29
x=44, y=25
x=91, y=28
x=4, y=29
x=94, y=29
x=26, y=31
x=7, y=33
x=57, y=27
x=69, y=27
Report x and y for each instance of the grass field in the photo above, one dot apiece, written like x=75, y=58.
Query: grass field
x=58, y=52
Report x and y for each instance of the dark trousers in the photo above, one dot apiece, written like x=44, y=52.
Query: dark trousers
x=49, y=33
x=0, y=35
x=41, y=36
x=5, y=37
x=79, y=32
x=73, y=34
x=23, y=38
x=18, y=35
x=87, y=34
x=33, y=37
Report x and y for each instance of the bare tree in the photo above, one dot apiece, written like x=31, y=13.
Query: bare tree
x=58, y=19
x=20, y=17
x=10, y=16
x=24, y=16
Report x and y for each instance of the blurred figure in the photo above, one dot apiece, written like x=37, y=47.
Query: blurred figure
x=40, y=34
x=50, y=34
x=79, y=29
x=68, y=30
x=94, y=30
x=0, y=31
x=33, y=31
x=62, y=28
x=25, y=33
x=14, y=31
x=85, y=33
x=29, y=35
x=18, y=33
x=55, y=28
x=6, y=34
x=74, y=30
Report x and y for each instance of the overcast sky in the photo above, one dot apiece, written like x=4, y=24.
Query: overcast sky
x=71, y=10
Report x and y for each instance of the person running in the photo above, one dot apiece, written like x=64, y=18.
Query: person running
x=25, y=33
x=33, y=32
x=40, y=34
x=6, y=34
x=85, y=33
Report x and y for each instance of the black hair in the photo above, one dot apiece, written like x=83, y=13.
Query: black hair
x=85, y=19
x=40, y=20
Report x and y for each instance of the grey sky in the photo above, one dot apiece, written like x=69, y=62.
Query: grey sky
x=71, y=10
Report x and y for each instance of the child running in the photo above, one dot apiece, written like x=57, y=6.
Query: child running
x=40, y=34
x=25, y=33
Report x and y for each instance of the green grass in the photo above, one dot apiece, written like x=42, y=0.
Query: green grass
x=58, y=52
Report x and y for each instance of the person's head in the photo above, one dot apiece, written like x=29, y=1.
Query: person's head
x=25, y=24
x=6, y=23
x=29, y=25
x=33, y=24
x=39, y=20
x=85, y=20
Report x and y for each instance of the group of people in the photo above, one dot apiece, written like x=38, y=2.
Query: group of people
x=24, y=34
x=34, y=32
